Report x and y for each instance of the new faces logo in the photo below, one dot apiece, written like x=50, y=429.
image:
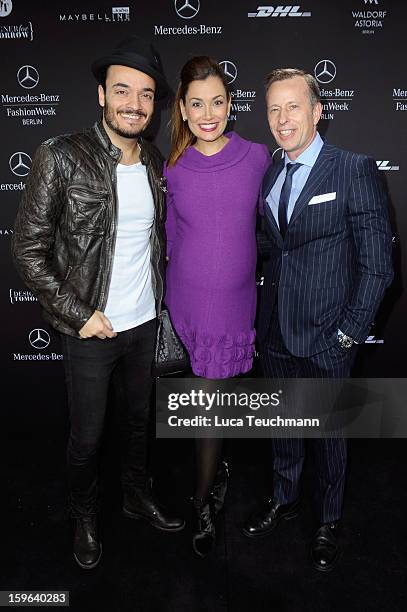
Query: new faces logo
x=279, y=11
x=187, y=10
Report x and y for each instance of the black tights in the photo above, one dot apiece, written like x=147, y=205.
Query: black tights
x=207, y=457
x=207, y=453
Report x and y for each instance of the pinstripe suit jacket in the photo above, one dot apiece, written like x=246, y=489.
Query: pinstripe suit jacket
x=334, y=264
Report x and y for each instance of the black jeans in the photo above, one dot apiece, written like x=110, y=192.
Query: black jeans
x=91, y=365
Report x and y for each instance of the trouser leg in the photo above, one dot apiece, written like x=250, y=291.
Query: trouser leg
x=88, y=368
x=288, y=453
x=134, y=383
x=330, y=454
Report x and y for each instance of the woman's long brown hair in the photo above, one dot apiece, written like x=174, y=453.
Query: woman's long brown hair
x=197, y=68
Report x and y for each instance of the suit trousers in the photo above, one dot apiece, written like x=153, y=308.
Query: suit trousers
x=91, y=366
x=330, y=455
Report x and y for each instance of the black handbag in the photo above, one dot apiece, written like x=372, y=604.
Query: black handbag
x=170, y=355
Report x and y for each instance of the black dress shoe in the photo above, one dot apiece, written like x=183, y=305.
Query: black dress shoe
x=140, y=504
x=220, y=487
x=266, y=520
x=87, y=548
x=203, y=539
x=325, y=548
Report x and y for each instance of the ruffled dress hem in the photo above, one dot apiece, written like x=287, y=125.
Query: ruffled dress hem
x=219, y=357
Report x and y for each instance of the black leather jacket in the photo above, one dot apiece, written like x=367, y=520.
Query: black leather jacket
x=65, y=232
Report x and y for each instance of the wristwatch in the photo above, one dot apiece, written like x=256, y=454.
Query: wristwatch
x=345, y=341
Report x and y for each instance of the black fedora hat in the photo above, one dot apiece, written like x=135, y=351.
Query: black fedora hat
x=137, y=53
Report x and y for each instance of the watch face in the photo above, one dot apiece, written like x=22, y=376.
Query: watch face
x=345, y=341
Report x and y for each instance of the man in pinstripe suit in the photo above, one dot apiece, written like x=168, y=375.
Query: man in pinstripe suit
x=327, y=242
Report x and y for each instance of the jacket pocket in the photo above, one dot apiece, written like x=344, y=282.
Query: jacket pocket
x=87, y=210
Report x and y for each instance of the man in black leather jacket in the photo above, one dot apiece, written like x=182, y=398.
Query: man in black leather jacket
x=89, y=242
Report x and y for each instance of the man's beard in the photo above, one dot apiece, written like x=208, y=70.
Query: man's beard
x=131, y=132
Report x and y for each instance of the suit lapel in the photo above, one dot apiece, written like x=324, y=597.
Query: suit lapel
x=271, y=176
x=268, y=181
x=322, y=167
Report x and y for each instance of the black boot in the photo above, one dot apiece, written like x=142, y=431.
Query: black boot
x=203, y=539
x=87, y=548
x=220, y=486
x=325, y=547
x=140, y=504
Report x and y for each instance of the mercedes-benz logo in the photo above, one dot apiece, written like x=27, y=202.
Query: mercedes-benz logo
x=20, y=163
x=230, y=70
x=6, y=6
x=39, y=339
x=325, y=71
x=187, y=9
x=28, y=77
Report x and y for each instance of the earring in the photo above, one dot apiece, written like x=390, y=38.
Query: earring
x=184, y=119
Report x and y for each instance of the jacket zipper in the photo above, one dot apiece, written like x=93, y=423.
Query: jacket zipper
x=108, y=274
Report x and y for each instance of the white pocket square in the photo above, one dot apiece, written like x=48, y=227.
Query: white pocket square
x=323, y=197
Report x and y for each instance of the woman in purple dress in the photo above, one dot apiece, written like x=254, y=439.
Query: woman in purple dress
x=213, y=182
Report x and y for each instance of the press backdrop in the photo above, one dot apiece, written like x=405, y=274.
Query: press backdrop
x=356, y=49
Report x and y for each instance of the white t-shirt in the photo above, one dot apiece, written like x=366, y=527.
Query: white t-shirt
x=131, y=299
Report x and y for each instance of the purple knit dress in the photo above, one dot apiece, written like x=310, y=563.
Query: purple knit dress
x=211, y=286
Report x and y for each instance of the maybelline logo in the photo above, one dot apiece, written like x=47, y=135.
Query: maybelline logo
x=18, y=296
x=385, y=165
x=369, y=21
x=116, y=14
x=333, y=100
x=22, y=31
x=279, y=11
x=39, y=340
x=31, y=108
x=6, y=6
x=400, y=99
x=187, y=9
x=242, y=99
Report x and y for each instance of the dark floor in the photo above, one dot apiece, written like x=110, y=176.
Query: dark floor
x=143, y=569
